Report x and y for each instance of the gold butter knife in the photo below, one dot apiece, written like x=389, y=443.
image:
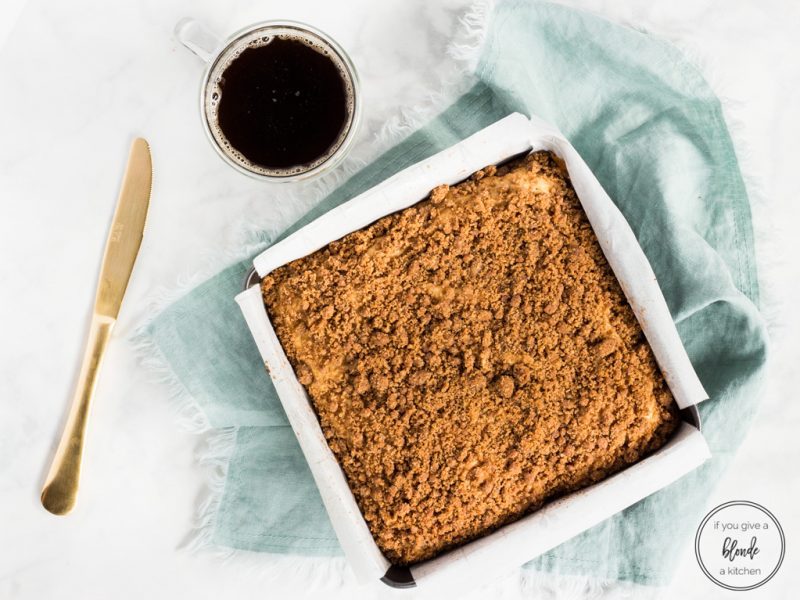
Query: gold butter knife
x=124, y=238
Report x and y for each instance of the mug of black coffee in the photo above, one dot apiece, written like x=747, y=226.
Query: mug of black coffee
x=279, y=100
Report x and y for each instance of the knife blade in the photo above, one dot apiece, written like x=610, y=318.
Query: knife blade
x=122, y=246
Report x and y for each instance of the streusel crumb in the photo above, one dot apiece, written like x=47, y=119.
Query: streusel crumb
x=470, y=358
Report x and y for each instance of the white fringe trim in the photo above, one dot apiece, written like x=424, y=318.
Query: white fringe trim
x=465, y=48
x=187, y=412
x=545, y=586
x=317, y=573
x=214, y=460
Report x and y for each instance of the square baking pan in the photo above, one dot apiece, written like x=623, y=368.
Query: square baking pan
x=522, y=540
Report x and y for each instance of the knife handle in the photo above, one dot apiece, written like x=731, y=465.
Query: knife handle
x=61, y=486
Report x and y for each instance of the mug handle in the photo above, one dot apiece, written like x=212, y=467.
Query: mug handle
x=194, y=35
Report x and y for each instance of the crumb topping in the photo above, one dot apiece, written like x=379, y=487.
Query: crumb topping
x=470, y=358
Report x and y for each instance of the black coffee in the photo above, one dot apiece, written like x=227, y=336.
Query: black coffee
x=284, y=104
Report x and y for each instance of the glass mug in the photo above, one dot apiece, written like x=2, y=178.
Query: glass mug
x=219, y=55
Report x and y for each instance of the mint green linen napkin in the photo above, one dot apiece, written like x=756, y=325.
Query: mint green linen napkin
x=653, y=132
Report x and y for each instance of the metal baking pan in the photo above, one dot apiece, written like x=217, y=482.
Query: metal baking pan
x=561, y=519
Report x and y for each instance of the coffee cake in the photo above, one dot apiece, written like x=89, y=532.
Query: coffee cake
x=470, y=358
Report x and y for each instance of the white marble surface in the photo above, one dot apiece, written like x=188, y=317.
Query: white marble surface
x=80, y=79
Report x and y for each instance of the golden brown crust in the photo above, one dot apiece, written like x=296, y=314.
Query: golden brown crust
x=470, y=358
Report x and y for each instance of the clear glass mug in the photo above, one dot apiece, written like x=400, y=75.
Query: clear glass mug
x=217, y=54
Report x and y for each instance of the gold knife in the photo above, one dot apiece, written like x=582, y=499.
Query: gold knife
x=124, y=238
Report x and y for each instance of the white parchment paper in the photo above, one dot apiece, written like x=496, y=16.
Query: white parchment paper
x=534, y=534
